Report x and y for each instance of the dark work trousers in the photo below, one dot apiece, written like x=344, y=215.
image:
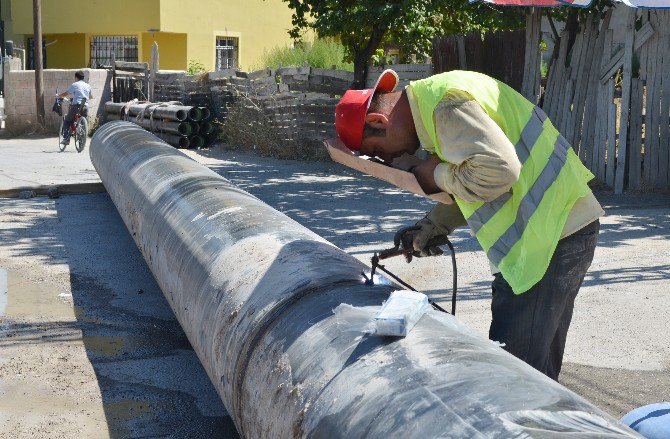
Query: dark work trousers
x=534, y=325
x=69, y=117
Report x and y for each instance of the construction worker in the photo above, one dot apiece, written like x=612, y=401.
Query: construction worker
x=516, y=182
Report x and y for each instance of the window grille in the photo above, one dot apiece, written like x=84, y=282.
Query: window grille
x=226, y=52
x=30, y=62
x=124, y=48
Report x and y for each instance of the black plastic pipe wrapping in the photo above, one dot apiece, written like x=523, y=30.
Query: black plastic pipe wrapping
x=255, y=292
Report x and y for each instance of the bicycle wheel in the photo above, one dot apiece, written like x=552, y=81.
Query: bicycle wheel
x=81, y=134
x=60, y=137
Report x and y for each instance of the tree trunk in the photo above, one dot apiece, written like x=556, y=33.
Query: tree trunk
x=362, y=57
x=361, y=61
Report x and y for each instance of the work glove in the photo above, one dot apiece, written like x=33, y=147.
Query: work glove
x=422, y=239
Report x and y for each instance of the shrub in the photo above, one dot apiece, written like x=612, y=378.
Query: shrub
x=94, y=123
x=248, y=127
x=194, y=67
x=323, y=53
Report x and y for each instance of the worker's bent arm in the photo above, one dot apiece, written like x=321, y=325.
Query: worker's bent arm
x=481, y=161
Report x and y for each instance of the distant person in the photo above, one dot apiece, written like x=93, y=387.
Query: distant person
x=80, y=91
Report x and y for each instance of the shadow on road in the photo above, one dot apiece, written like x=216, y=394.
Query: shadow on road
x=360, y=214
x=150, y=380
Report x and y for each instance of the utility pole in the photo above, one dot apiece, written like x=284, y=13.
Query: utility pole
x=37, y=56
x=3, y=53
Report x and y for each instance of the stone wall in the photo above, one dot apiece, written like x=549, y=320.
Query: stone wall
x=217, y=90
x=20, y=96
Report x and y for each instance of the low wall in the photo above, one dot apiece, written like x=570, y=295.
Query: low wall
x=20, y=96
x=195, y=90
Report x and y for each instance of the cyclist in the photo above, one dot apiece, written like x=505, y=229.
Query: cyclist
x=80, y=91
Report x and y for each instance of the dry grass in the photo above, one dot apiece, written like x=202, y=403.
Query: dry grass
x=247, y=126
x=20, y=128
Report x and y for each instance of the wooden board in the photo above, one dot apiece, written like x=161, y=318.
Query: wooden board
x=663, y=125
x=635, y=135
x=625, y=103
x=397, y=177
x=602, y=131
x=654, y=95
x=611, y=134
x=139, y=67
x=574, y=121
x=610, y=68
x=590, y=116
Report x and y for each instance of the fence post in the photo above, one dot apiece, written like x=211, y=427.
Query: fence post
x=153, y=70
x=531, y=76
x=625, y=102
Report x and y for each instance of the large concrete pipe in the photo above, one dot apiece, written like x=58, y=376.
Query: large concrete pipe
x=255, y=293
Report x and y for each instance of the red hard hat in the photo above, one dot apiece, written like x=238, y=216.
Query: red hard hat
x=352, y=108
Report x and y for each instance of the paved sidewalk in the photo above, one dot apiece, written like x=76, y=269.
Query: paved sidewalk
x=36, y=164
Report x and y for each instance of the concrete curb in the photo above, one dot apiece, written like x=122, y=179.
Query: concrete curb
x=63, y=189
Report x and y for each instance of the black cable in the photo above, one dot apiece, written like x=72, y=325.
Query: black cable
x=454, y=287
x=443, y=241
x=408, y=286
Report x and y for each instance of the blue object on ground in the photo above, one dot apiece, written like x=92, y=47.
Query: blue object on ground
x=651, y=421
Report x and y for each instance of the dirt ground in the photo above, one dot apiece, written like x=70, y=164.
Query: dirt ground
x=89, y=347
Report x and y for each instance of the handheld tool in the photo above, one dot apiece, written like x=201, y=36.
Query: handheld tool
x=396, y=250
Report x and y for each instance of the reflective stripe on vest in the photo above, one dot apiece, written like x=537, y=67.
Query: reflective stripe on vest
x=530, y=202
x=530, y=134
x=520, y=229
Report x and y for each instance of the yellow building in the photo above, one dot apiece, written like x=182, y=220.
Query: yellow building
x=215, y=33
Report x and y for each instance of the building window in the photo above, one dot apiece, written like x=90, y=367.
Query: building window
x=124, y=48
x=226, y=52
x=30, y=64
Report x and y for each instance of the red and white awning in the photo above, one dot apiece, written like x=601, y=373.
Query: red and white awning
x=656, y=4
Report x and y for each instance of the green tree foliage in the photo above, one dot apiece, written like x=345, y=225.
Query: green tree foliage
x=363, y=25
x=194, y=67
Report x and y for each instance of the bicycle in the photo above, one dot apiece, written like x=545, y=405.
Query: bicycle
x=78, y=127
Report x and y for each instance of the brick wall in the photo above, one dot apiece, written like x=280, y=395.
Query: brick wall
x=20, y=96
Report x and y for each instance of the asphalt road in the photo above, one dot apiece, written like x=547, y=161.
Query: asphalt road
x=91, y=349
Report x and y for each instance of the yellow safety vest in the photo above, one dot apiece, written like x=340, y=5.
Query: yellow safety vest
x=520, y=229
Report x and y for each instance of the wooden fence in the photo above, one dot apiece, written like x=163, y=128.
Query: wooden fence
x=497, y=54
x=406, y=73
x=130, y=80
x=611, y=99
